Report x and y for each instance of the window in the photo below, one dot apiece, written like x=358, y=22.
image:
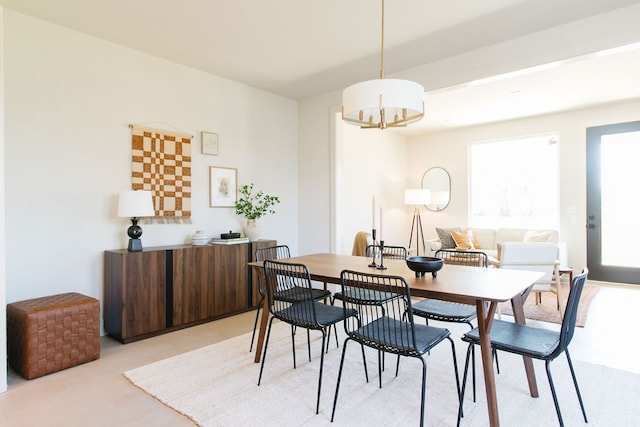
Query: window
x=514, y=183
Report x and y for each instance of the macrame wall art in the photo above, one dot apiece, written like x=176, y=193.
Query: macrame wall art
x=161, y=163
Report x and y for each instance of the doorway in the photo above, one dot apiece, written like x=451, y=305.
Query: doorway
x=613, y=229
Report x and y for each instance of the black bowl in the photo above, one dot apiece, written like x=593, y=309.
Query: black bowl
x=424, y=264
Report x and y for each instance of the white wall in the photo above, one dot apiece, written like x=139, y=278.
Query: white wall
x=449, y=150
x=3, y=269
x=373, y=164
x=68, y=101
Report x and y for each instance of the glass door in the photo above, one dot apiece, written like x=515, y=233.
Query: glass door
x=613, y=203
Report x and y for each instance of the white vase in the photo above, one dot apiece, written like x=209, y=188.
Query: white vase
x=200, y=238
x=252, y=230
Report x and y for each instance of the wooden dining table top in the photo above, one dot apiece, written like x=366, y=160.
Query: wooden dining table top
x=452, y=283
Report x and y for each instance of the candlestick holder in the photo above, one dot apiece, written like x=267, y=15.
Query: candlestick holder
x=373, y=249
x=381, y=266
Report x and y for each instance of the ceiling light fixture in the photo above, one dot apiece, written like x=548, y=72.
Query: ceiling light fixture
x=383, y=103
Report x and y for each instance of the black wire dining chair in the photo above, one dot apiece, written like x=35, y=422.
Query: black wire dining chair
x=537, y=343
x=388, y=331
x=391, y=252
x=291, y=300
x=375, y=297
x=271, y=252
x=445, y=311
x=275, y=253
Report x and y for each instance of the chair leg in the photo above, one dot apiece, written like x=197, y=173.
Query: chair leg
x=335, y=329
x=464, y=382
x=575, y=383
x=364, y=362
x=424, y=391
x=264, y=352
x=335, y=396
x=380, y=356
x=255, y=323
x=553, y=392
x=324, y=338
x=293, y=345
x=309, y=344
x=455, y=365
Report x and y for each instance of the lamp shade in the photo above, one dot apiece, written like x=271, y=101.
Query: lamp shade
x=383, y=103
x=417, y=196
x=135, y=204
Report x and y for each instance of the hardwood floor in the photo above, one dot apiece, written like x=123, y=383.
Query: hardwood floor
x=97, y=394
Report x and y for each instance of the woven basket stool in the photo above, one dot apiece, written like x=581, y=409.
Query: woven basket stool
x=48, y=334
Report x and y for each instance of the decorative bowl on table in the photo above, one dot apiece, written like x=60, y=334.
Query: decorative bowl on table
x=424, y=264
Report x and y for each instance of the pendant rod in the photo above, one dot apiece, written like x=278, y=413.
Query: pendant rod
x=382, y=45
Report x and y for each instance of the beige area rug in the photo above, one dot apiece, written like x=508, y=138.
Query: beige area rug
x=217, y=386
x=547, y=311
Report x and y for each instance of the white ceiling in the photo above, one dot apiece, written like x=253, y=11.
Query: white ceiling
x=302, y=48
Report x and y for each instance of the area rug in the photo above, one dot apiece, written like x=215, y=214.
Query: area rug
x=547, y=311
x=217, y=386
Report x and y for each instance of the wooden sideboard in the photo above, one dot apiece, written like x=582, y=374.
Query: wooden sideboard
x=161, y=289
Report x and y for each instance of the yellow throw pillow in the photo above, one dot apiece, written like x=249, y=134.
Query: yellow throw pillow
x=464, y=239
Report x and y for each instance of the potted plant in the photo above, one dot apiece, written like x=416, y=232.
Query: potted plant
x=254, y=206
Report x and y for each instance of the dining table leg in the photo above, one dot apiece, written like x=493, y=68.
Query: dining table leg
x=517, y=304
x=264, y=319
x=485, y=319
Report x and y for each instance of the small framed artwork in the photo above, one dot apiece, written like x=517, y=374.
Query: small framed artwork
x=209, y=143
x=223, y=188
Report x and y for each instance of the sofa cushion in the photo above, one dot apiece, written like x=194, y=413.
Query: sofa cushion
x=445, y=237
x=510, y=235
x=486, y=237
x=465, y=239
x=544, y=236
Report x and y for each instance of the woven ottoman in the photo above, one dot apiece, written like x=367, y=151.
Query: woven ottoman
x=48, y=334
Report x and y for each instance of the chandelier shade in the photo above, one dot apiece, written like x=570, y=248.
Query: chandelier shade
x=383, y=103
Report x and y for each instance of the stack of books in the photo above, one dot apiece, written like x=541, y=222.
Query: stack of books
x=233, y=241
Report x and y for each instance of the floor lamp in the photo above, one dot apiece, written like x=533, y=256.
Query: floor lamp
x=417, y=197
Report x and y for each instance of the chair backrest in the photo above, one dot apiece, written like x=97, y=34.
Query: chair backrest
x=389, y=252
x=571, y=311
x=289, y=292
x=269, y=253
x=272, y=252
x=532, y=256
x=460, y=257
x=387, y=325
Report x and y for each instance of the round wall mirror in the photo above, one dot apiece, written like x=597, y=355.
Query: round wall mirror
x=438, y=182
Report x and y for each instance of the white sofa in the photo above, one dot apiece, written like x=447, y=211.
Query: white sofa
x=489, y=239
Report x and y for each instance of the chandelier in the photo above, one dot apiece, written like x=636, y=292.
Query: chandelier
x=383, y=103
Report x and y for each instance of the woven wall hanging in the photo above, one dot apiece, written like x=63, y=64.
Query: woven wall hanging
x=161, y=163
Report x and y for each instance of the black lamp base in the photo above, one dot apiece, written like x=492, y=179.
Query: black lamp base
x=134, y=232
x=135, y=245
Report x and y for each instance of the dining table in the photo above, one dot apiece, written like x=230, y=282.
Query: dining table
x=482, y=287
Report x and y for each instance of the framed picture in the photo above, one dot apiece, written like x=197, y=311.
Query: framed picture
x=209, y=143
x=223, y=187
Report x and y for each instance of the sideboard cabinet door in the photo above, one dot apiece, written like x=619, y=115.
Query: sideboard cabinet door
x=209, y=282
x=135, y=293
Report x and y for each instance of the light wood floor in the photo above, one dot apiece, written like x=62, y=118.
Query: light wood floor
x=96, y=393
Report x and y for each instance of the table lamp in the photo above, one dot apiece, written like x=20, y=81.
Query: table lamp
x=135, y=204
x=417, y=197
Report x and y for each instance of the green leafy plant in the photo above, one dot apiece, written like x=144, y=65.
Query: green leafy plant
x=254, y=206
